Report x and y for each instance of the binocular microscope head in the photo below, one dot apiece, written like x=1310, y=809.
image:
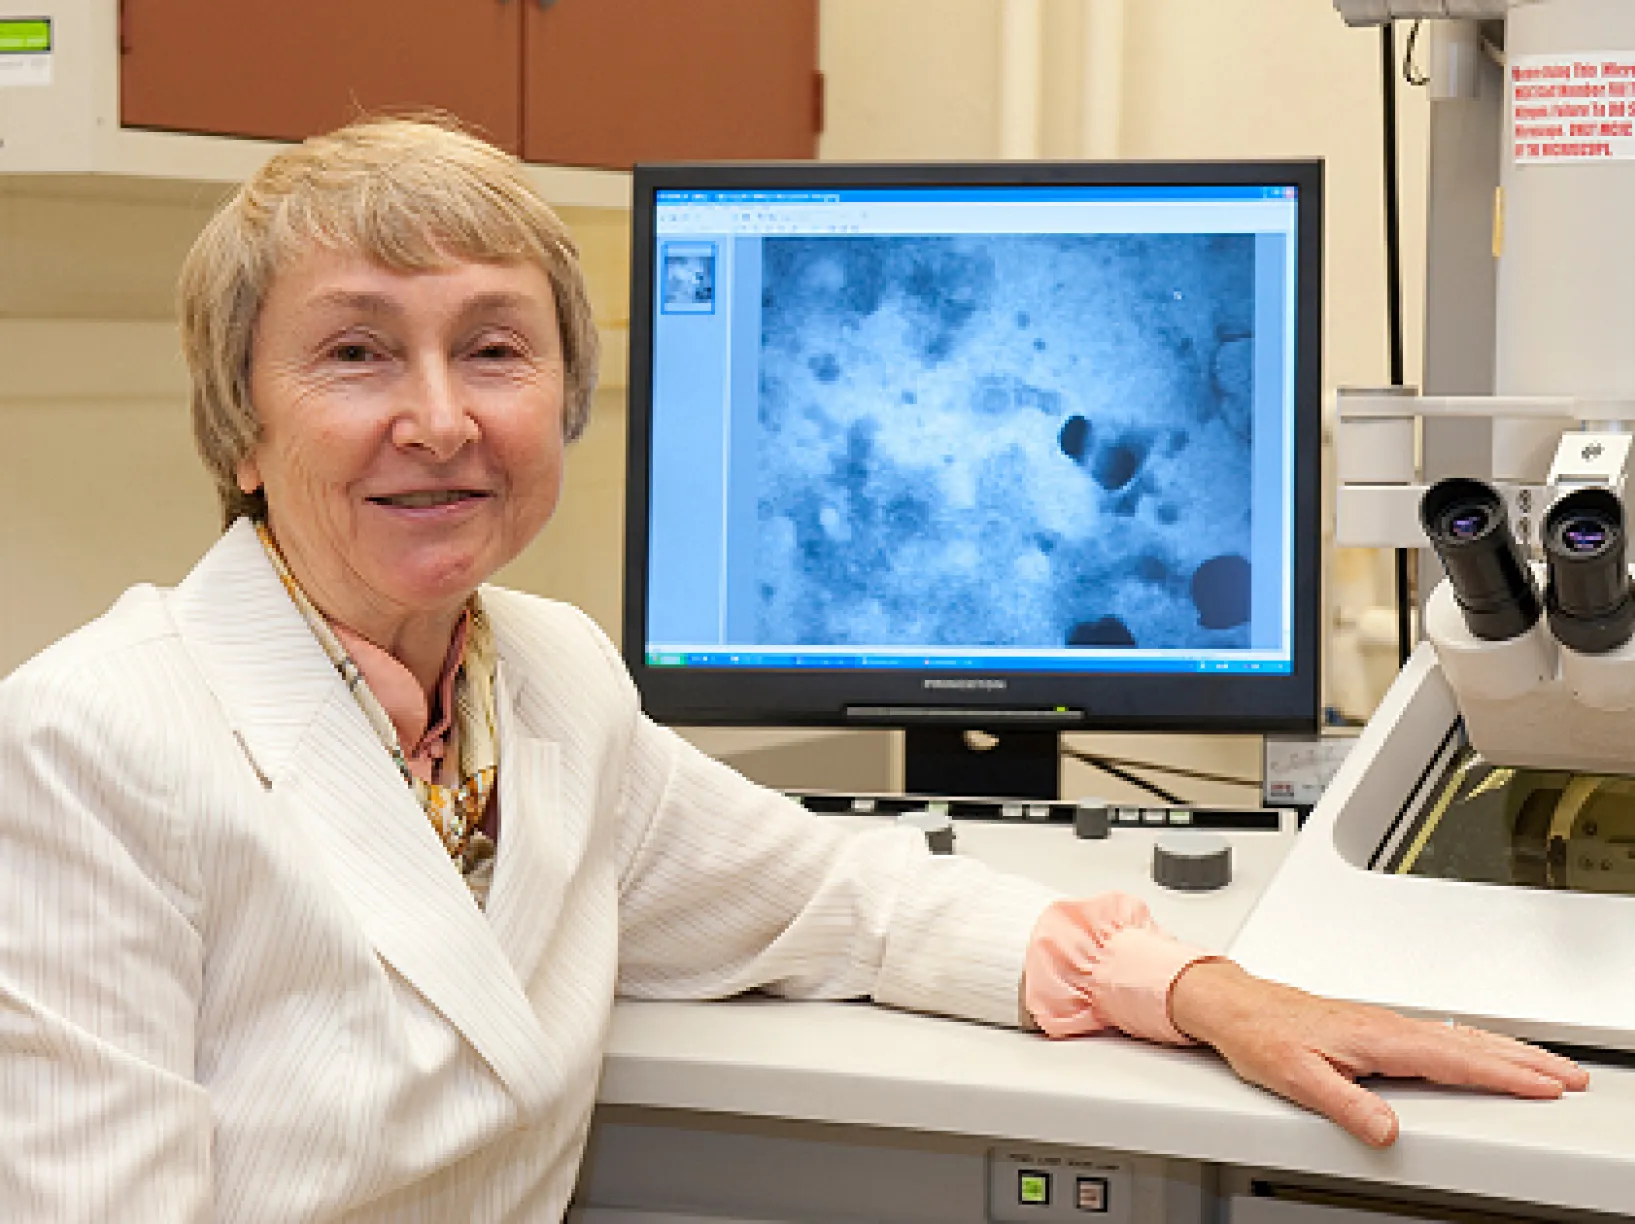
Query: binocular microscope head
x=1503, y=645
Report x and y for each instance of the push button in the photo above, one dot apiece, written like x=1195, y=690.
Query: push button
x=1091, y=1194
x=1033, y=1188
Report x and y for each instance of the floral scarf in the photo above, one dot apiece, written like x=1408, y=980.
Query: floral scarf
x=455, y=811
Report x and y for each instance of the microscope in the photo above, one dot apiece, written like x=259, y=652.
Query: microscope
x=1474, y=858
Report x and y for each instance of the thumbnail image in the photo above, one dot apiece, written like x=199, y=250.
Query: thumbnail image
x=689, y=278
x=1032, y=441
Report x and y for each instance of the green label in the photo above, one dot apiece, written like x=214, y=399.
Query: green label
x=31, y=35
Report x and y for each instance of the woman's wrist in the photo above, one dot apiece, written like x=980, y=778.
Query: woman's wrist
x=1205, y=997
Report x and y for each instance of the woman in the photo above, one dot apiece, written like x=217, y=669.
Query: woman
x=322, y=869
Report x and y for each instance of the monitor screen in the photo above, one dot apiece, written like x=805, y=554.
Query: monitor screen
x=1021, y=444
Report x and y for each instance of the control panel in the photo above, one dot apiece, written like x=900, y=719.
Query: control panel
x=1054, y=811
x=1046, y=1184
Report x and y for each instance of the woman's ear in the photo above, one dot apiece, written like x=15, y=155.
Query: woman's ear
x=248, y=473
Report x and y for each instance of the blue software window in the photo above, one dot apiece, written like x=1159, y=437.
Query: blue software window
x=1007, y=428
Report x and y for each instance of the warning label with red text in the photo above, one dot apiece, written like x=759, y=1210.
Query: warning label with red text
x=1572, y=108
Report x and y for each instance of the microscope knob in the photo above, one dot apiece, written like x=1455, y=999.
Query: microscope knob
x=1090, y=819
x=937, y=825
x=1192, y=861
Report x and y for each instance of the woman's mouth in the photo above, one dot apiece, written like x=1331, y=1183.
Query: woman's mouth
x=425, y=499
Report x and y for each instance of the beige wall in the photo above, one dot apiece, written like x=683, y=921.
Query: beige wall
x=1226, y=78
x=98, y=484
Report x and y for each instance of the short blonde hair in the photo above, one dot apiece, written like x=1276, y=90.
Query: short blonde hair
x=409, y=194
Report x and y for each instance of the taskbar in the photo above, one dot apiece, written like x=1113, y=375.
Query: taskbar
x=1108, y=662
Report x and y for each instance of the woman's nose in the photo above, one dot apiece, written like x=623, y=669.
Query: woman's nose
x=434, y=416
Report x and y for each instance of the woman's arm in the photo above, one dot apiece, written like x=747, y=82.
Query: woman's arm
x=728, y=887
x=100, y=965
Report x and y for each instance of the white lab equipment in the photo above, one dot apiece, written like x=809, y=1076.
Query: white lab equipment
x=1474, y=856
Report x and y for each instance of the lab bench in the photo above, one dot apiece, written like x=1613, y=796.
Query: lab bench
x=759, y=1109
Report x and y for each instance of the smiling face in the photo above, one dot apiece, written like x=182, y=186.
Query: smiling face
x=411, y=432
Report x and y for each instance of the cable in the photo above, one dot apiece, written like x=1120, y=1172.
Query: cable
x=1393, y=305
x=1123, y=775
x=1410, y=70
x=1120, y=767
x=1158, y=767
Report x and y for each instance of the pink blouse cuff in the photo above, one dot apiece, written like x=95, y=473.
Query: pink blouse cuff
x=1103, y=963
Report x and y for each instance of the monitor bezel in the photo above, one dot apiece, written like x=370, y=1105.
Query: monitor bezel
x=1191, y=701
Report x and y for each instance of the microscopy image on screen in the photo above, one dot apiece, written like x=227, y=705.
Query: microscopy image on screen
x=1002, y=440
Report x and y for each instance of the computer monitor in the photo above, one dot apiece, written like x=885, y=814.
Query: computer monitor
x=1018, y=447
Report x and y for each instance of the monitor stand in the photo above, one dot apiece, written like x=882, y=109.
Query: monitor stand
x=1021, y=765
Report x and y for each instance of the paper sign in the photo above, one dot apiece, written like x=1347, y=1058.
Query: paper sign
x=1572, y=108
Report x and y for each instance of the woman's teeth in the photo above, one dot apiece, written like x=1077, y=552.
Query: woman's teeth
x=431, y=497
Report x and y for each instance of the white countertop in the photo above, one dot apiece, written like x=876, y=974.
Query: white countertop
x=854, y=1063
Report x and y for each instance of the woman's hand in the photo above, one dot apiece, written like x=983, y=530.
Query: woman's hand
x=1313, y=1050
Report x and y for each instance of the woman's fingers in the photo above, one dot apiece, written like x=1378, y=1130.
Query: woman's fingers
x=1564, y=1071
x=1466, y=1057
x=1321, y=1079
x=1307, y=1078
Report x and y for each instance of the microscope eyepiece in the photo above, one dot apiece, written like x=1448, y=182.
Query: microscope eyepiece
x=1588, y=596
x=1467, y=525
x=1584, y=536
x=1467, y=522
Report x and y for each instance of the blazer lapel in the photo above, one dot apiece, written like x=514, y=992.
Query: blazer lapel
x=536, y=848
x=312, y=748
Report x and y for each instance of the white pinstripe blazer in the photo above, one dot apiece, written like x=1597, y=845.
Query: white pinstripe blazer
x=240, y=980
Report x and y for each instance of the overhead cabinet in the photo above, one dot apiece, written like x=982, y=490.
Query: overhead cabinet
x=575, y=82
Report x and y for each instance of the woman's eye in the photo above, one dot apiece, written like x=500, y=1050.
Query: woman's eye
x=496, y=350
x=352, y=352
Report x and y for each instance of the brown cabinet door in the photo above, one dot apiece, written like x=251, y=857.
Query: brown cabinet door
x=614, y=82
x=285, y=69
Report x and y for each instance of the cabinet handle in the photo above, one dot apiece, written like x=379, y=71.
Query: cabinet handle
x=544, y=5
